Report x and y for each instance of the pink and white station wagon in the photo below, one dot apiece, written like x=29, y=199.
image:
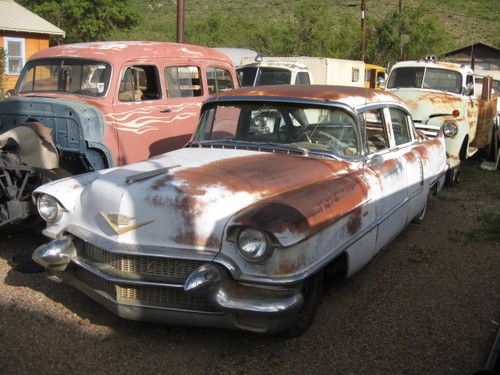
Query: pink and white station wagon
x=89, y=106
x=277, y=185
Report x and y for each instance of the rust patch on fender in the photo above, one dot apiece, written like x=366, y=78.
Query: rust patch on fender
x=311, y=208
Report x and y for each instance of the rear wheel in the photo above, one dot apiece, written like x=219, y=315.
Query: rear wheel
x=312, y=292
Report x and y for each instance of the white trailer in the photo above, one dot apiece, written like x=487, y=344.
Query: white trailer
x=301, y=70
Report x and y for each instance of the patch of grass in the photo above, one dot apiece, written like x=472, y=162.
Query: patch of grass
x=489, y=219
x=483, y=181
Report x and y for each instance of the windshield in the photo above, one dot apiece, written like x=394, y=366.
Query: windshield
x=426, y=78
x=263, y=76
x=299, y=127
x=75, y=76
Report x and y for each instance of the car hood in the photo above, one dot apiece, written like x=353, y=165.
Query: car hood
x=423, y=103
x=183, y=199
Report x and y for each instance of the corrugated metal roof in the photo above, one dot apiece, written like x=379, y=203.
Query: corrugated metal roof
x=14, y=17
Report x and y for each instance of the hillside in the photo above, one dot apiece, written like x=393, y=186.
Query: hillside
x=262, y=24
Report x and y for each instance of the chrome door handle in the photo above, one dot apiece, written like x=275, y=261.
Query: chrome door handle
x=166, y=110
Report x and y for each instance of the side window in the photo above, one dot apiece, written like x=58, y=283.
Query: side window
x=183, y=81
x=138, y=83
x=400, y=126
x=302, y=78
x=355, y=75
x=376, y=136
x=14, y=55
x=219, y=80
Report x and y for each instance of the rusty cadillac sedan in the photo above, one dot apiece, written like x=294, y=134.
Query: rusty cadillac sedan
x=278, y=185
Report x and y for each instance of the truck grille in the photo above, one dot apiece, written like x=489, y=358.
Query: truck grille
x=171, y=271
x=429, y=131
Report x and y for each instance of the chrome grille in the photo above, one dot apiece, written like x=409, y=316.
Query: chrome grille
x=173, y=271
x=165, y=297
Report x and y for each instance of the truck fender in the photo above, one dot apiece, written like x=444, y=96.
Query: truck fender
x=35, y=146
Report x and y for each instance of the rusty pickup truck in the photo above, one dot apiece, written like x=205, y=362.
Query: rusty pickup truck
x=235, y=230
x=441, y=95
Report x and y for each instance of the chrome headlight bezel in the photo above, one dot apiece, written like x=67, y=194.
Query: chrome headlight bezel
x=49, y=208
x=450, y=129
x=254, y=244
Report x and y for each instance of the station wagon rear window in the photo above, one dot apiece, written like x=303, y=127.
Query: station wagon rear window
x=74, y=76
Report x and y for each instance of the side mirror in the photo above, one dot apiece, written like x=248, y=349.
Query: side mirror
x=469, y=89
x=381, y=82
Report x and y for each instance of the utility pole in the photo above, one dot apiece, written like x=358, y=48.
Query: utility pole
x=180, y=21
x=401, y=55
x=363, y=31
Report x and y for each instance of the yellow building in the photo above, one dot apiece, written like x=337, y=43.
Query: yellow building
x=22, y=33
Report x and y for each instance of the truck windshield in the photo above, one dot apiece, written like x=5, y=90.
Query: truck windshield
x=426, y=78
x=74, y=76
x=253, y=76
x=280, y=125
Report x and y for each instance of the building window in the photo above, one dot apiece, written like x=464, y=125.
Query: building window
x=14, y=55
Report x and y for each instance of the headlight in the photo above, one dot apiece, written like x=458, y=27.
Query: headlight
x=450, y=129
x=254, y=245
x=48, y=208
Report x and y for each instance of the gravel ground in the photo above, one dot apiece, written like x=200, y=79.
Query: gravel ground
x=429, y=303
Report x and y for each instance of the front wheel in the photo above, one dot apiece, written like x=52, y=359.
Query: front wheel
x=312, y=292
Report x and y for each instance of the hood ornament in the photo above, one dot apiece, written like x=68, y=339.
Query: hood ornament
x=121, y=223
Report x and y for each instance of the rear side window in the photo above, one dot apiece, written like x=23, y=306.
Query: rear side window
x=302, y=78
x=376, y=137
x=400, y=126
x=219, y=80
x=183, y=81
x=138, y=83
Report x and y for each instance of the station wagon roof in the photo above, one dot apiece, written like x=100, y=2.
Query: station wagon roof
x=351, y=96
x=121, y=51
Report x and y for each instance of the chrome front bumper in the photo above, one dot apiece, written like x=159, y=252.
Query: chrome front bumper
x=208, y=296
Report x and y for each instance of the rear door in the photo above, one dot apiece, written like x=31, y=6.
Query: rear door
x=384, y=160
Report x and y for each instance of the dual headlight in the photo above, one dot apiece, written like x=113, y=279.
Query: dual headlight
x=450, y=129
x=254, y=244
x=48, y=208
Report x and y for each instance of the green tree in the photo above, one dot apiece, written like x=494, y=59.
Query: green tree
x=85, y=20
x=411, y=33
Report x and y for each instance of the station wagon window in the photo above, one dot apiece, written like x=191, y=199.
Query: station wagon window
x=183, y=81
x=73, y=76
x=138, y=83
x=218, y=80
x=400, y=126
x=376, y=136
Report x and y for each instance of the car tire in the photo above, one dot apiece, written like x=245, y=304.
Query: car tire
x=313, y=293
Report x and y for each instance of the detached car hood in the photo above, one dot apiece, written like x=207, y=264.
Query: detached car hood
x=183, y=199
x=424, y=103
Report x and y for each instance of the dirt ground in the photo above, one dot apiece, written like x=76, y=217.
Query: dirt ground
x=427, y=304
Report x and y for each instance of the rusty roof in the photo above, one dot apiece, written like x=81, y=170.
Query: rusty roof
x=352, y=96
x=15, y=17
x=126, y=50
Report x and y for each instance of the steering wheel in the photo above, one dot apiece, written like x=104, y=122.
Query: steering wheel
x=321, y=137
